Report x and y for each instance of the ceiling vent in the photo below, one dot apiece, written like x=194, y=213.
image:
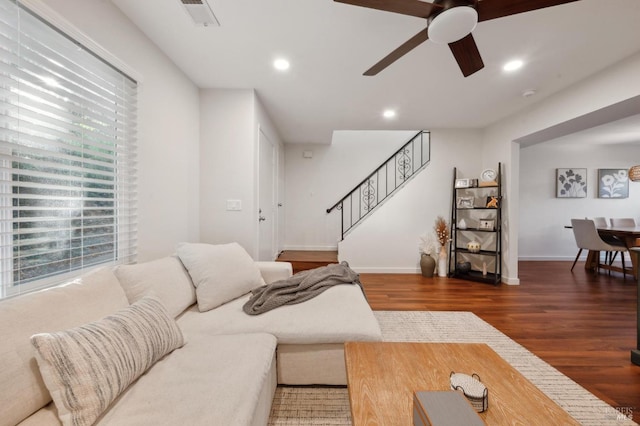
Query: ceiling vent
x=200, y=12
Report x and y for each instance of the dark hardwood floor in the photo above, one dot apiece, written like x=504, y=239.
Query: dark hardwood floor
x=583, y=324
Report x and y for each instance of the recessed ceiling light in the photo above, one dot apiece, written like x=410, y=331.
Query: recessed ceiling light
x=281, y=64
x=389, y=113
x=513, y=65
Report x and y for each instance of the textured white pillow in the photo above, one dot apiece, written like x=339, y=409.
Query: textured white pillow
x=164, y=278
x=85, y=368
x=220, y=273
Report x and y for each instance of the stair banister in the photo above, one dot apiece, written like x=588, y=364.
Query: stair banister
x=404, y=159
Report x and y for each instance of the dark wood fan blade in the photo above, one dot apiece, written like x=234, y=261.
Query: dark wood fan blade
x=405, y=48
x=404, y=7
x=467, y=55
x=492, y=9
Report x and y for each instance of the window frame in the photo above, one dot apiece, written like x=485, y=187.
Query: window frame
x=52, y=19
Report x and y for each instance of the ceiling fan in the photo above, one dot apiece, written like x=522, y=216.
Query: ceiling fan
x=450, y=22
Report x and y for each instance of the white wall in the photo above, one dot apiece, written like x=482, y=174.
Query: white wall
x=542, y=234
x=230, y=122
x=315, y=184
x=168, y=126
x=387, y=241
x=616, y=84
x=227, y=163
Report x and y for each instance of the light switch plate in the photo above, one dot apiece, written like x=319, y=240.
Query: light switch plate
x=234, y=205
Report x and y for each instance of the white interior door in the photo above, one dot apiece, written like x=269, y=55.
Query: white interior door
x=267, y=211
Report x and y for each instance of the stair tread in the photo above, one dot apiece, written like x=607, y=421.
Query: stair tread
x=308, y=256
x=308, y=259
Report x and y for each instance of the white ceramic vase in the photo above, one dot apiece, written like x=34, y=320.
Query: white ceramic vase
x=442, y=262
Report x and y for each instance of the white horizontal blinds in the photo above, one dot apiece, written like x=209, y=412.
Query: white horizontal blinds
x=67, y=155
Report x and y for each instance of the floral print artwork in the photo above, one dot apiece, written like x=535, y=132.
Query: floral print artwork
x=571, y=183
x=613, y=183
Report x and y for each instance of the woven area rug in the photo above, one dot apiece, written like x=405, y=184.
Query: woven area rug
x=330, y=406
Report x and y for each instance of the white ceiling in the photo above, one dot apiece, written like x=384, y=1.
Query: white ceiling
x=331, y=44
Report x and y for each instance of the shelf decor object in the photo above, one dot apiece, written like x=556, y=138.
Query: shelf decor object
x=479, y=242
x=488, y=178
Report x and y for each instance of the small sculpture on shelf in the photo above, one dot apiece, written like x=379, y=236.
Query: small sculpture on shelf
x=473, y=246
x=492, y=202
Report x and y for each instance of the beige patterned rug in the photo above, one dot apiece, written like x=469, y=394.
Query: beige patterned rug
x=330, y=406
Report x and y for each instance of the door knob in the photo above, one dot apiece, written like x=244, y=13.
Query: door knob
x=261, y=218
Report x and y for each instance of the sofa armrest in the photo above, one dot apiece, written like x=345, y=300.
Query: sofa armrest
x=274, y=271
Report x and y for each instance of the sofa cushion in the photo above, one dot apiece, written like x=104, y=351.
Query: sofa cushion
x=220, y=273
x=339, y=314
x=218, y=380
x=86, y=299
x=165, y=278
x=85, y=368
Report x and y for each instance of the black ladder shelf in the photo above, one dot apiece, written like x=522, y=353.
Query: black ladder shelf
x=476, y=227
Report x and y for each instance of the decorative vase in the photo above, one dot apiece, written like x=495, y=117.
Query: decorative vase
x=442, y=262
x=463, y=267
x=427, y=265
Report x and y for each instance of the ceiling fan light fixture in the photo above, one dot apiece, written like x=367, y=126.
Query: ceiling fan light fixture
x=453, y=24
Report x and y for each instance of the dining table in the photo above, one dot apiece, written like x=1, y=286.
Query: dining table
x=630, y=235
x=635, y=353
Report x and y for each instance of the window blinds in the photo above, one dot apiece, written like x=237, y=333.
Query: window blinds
x=67, y=156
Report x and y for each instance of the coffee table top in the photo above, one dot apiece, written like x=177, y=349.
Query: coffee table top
x=382, y=377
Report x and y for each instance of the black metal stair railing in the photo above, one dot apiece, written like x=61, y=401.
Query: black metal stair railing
x=391, y=175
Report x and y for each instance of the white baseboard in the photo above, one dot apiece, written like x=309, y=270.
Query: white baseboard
x=511, y=281
x=550, y=259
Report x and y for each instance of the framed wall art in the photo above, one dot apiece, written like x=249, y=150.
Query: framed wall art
x=465, y=202
x=613, y=183
x=571, y=183
x=487, y=224
x=463, y=183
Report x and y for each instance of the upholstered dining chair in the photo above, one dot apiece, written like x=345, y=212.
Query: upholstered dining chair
x=587, y=238
x=625, y=222
x=622, y=221
x=602, y=222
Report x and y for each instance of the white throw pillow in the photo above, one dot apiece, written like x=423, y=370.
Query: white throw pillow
x=220, y=273
x=85, y=368
x=164, y=278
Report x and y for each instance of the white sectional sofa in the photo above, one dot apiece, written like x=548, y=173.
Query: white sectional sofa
x=225, y=370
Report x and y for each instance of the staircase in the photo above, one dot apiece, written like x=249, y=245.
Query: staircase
x=302, y=260
x=388, y=178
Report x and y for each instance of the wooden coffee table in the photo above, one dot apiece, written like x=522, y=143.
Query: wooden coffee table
x=382, y=377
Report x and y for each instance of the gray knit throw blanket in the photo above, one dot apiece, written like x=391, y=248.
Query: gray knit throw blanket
x=300, y=287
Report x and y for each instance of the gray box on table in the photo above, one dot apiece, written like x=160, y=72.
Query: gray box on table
x=443, y=408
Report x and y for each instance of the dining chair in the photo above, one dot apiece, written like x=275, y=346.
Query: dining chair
x=602, y=222
x=587, y=238
x=623, y=221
